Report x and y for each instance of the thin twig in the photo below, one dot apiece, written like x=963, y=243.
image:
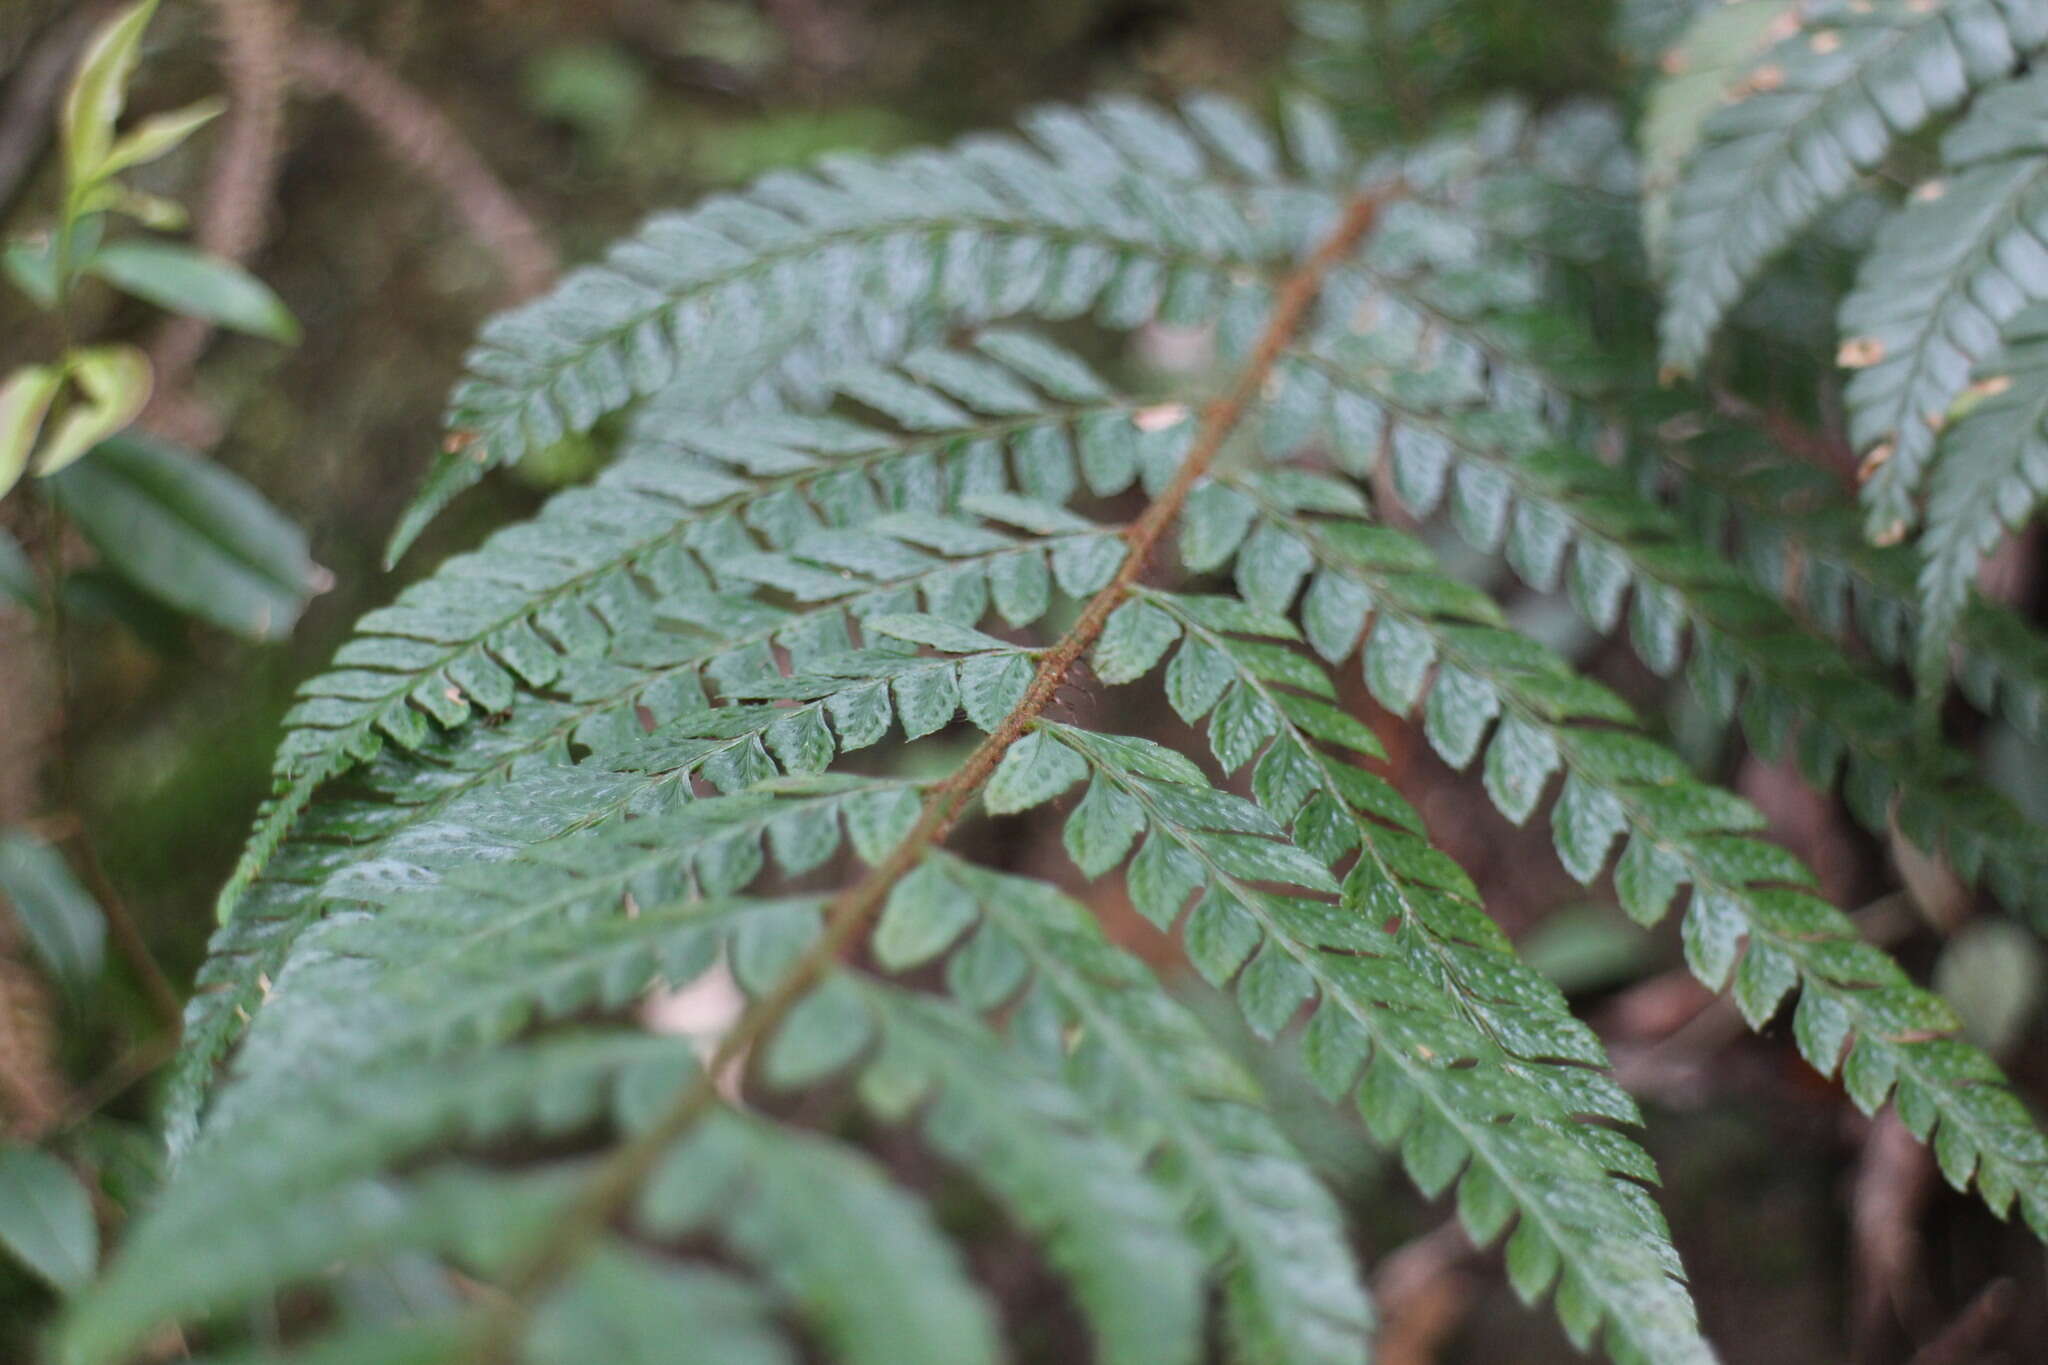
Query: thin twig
x=244, y=170
x=422, y=137
x=129, y=941
x=1424, y=1294
x=616, y=1180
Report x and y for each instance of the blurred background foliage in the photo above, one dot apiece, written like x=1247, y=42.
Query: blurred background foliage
x=591, y=114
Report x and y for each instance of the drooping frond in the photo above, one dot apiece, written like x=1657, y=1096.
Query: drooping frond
x=1563, y=517
x=1820, y=108
x=777, y=285
x=1799, y=535
x=1751, y=924
x=1945, y=274
x=1992, y=474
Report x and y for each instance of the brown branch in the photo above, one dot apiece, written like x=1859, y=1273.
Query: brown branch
x=621, y=1175
x=421, y=136
x=1424, y=1292
x=1894, y=1175
x=33, y=1093
x=239, y=182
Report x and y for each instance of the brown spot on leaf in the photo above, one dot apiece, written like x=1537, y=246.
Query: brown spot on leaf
x=1858, y=352
x=1873, y=461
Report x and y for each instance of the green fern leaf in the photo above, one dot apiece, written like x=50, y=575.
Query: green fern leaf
x=776, y=285
x=1993, y=471
x=1820, y=108
x=1745, y=923
x=1799, y=537
x=1802, y=694
x=1289, y=1289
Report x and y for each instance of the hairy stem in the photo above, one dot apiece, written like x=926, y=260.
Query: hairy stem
x=254, y=35
x=423, y=138
x=614, y=1183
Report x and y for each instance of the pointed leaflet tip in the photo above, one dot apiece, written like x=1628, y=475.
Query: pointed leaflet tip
x=453, y=471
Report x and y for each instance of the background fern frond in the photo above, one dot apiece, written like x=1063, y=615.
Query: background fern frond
x=1818, y=109
x=1945, y=274
x=1800, y=537
x=1992, y=474
x=1552, y=507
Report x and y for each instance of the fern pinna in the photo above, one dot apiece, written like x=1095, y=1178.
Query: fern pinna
x=629, y=746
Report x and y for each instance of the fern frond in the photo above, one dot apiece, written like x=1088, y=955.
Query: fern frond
x=1458, y=1104
x=1799, y=536
x=1944, y=275
x=627, y=749
x=1819, y=109
x=311, y=1190
x=683, y=524
x=1992, y=473
x=1093, y=213
x=1751, y=921
x=1793, y=690
x=1145, y=1063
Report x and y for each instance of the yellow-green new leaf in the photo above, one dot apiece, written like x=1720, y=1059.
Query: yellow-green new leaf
x=25, y=400
x=113, y=384
x=159, y=134
x=93, y=104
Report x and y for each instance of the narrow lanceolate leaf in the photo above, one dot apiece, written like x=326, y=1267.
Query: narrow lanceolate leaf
x=1945, y=274
x=1818, y=110
x=1752, y=921
x=779, y=286
x=191, y=283
x=46, y=1219
x=63, y=922
x=1992, y=473
x=192, y=535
